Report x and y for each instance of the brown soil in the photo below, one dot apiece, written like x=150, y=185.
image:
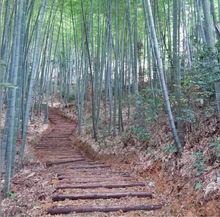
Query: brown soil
x=172, y=183
x=64, y=169
x=36, y=185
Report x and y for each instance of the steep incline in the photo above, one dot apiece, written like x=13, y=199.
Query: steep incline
x=86, y=186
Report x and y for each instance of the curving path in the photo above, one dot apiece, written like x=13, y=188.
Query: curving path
x=87, y=186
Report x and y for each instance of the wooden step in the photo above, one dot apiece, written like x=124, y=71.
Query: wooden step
x=120, y=185
x=95, y=196
x=90, y=174
x=50, y=163
x=75, y=179
x=87, y=209
x=98, y=166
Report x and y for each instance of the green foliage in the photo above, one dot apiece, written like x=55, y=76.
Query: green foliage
x=215, y=144
x=71, y=97
x=170, y=149
x=209, y=110
x=187, y=114
x=151, y=102
x=203, y=74
x=199, y=163
x=11, y=195
x=141, y=133
x=198, y=185
x=215, y=147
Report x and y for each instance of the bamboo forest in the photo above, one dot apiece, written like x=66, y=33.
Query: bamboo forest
x=110, y=108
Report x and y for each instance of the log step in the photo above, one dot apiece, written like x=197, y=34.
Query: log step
x=79, y=179
x=91, y=174
x=90, y=181
x=94, y=179
x=50, y=163
x=56, y=137
x=87, y=209
x=103, y=177
x=93, y=170
x=80, y=165
x=67, y=156
x=95, y=196
x=83, y=165
x=98, y=166
x=123, y=185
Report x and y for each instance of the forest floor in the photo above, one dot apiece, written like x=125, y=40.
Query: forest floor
x=171, y=184
x=190, y=184
x=35, y=187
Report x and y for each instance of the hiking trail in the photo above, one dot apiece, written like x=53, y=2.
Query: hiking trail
x=88, y=186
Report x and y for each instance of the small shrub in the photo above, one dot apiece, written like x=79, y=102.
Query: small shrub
x=141, y=133
x=169, y=149
x=71, y=97
x=11, y=195
x=199, y=163
x=198, y=83
x=187, y=115
x=214, y=154
x=198, y=185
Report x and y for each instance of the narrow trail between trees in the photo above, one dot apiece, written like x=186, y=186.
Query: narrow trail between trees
x=87, y=187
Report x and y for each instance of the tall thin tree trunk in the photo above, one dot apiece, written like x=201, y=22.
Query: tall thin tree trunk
x=12, y=95
x=34, y=71
x=161, y=75
x=208, y=24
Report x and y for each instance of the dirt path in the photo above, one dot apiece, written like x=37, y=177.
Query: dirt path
x=83, y=187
